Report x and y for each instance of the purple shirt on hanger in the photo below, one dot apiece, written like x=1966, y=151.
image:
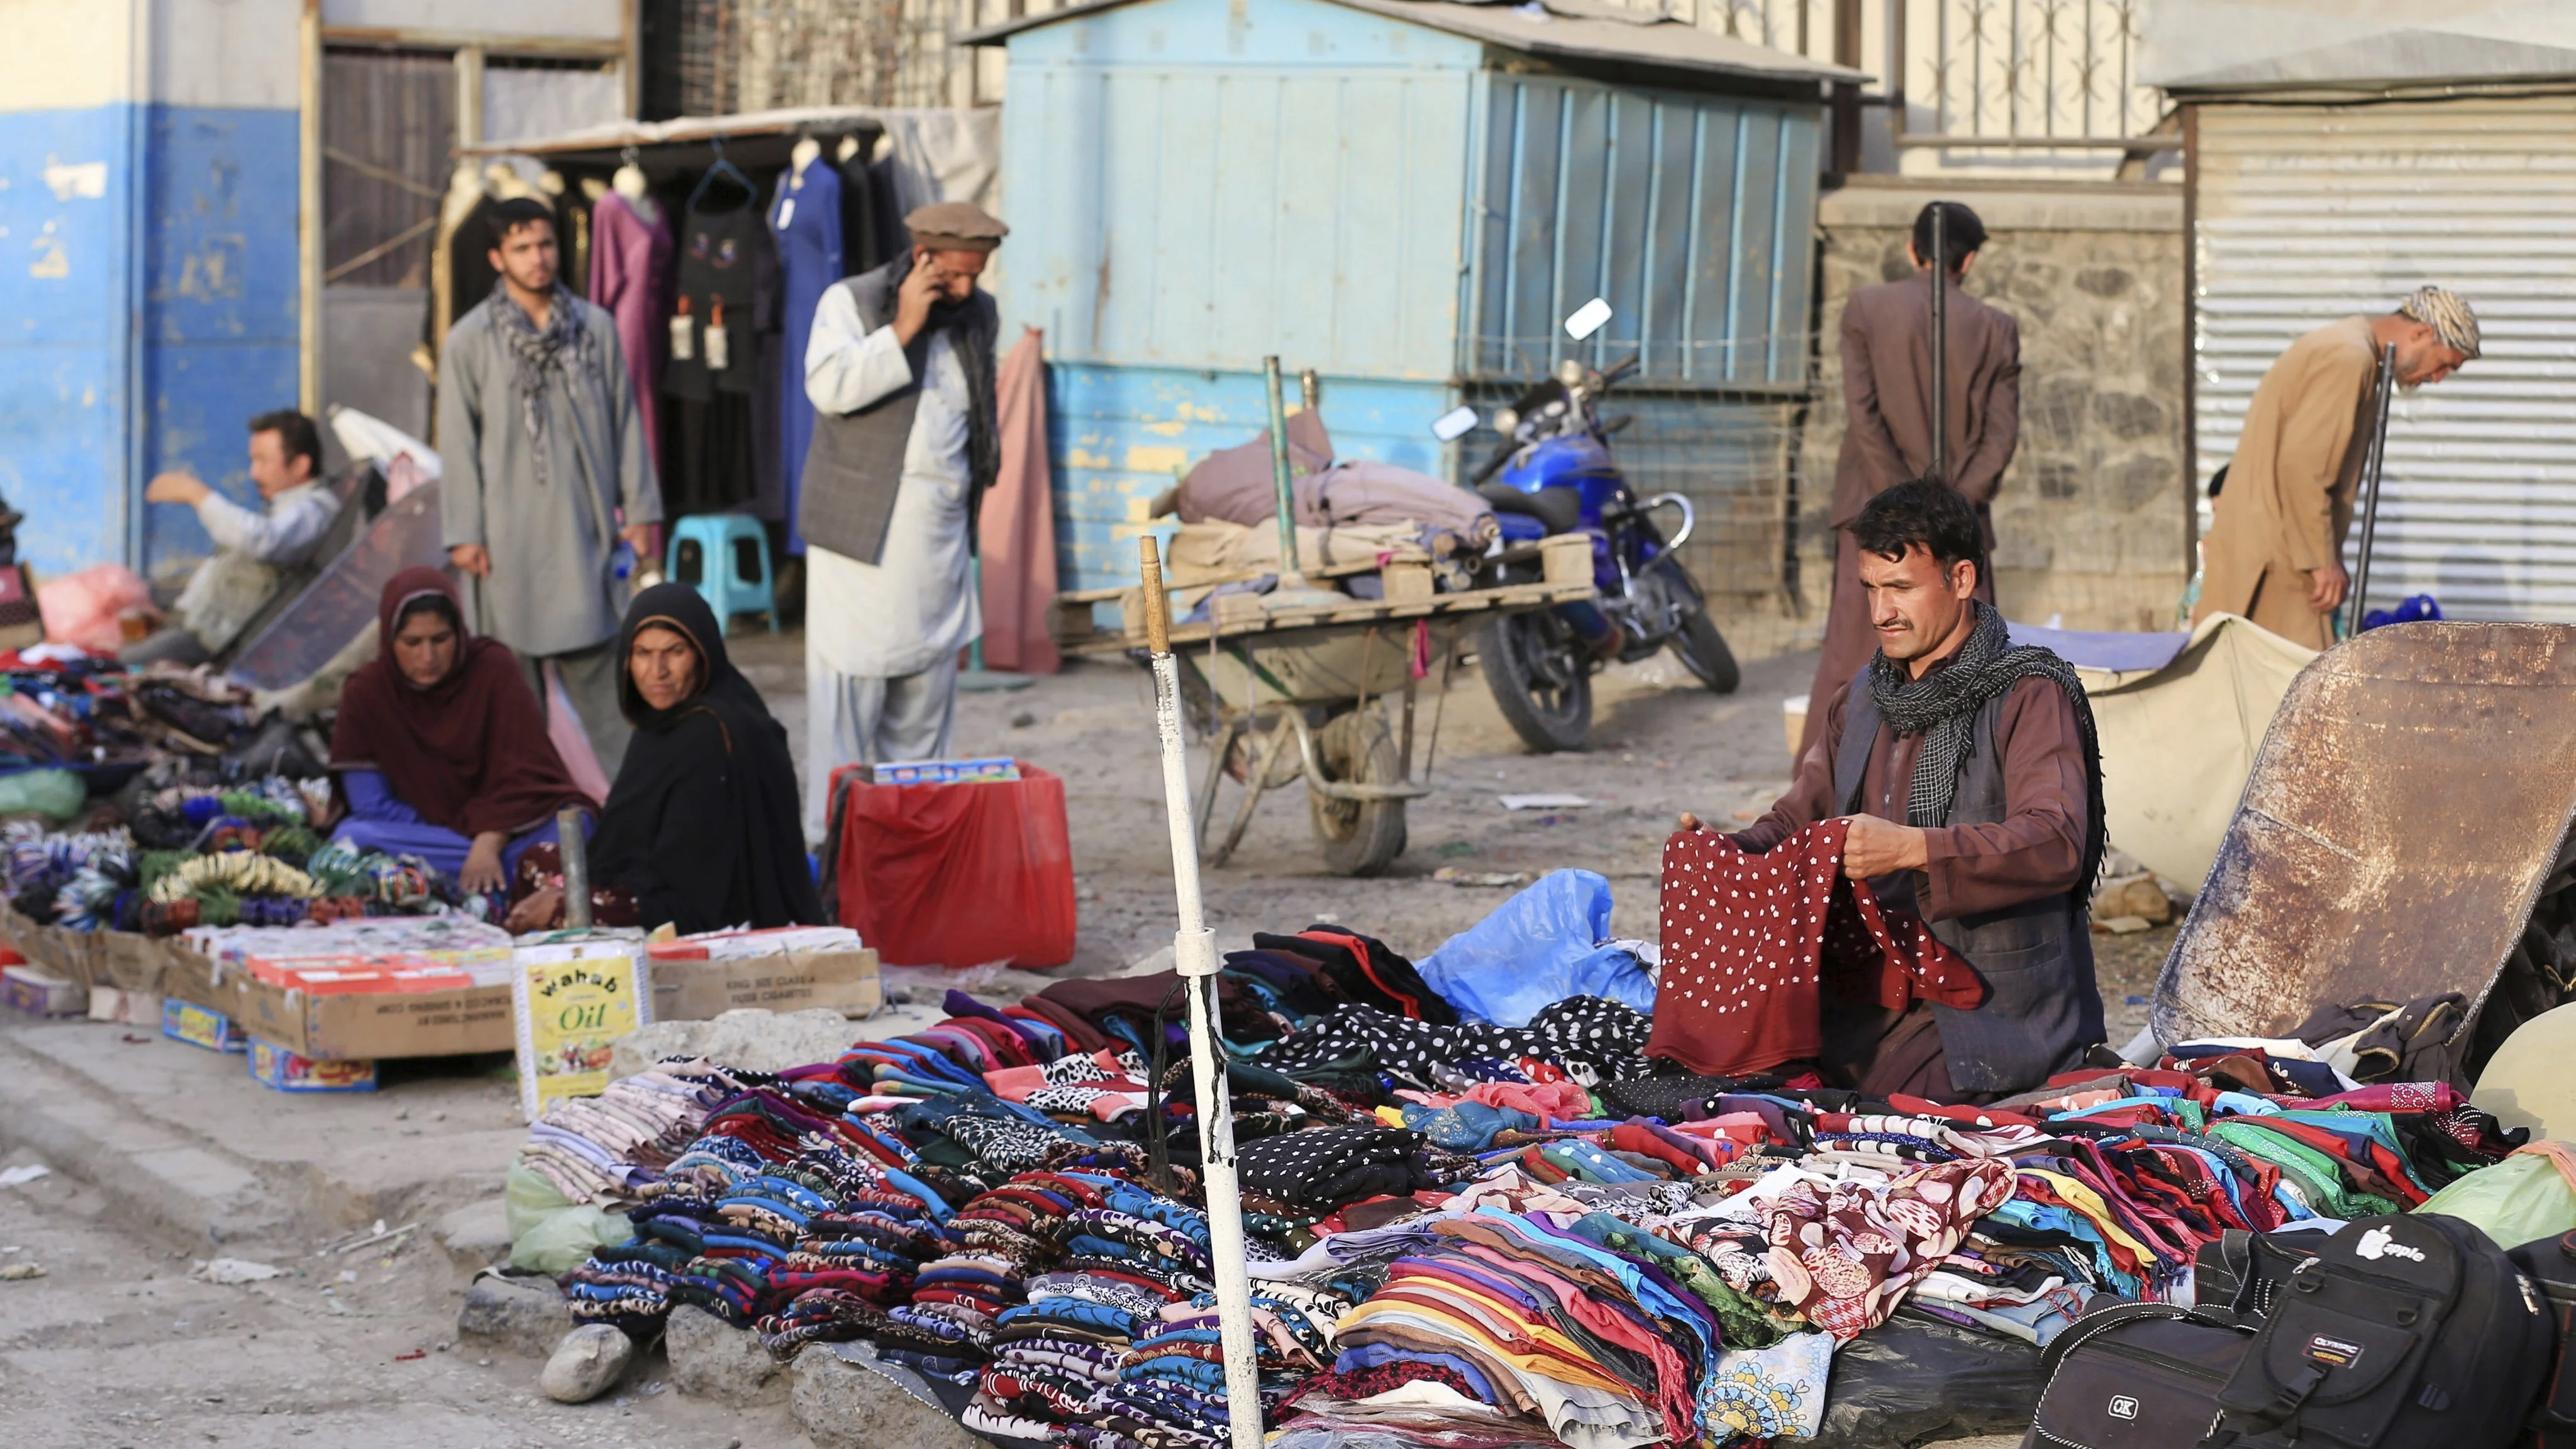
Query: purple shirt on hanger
x=630, y=275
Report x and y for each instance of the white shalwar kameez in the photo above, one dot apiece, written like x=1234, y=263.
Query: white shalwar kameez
x=881, y=639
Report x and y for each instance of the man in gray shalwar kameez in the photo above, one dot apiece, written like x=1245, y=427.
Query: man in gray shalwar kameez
x=543, y=446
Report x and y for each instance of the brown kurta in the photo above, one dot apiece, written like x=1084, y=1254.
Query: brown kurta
x=1887, y=393
x=2289, y=495
x=1887, y=435
x=2035, y=850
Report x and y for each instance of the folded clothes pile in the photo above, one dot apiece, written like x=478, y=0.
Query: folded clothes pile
x=1457, y=1234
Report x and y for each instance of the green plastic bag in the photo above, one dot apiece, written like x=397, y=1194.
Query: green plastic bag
x=550, y=1233
x=54, y=794
x=2522, y=1199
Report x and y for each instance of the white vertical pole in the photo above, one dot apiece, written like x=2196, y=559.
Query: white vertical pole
x=1194, y=957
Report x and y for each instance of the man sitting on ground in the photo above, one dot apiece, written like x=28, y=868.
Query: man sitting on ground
x=1974, y=786
x=227, y=589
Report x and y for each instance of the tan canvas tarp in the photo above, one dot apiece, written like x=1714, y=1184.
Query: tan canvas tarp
x=2178, y=742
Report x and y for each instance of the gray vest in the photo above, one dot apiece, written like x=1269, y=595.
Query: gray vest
x=2042, y=1008
x=854, y=466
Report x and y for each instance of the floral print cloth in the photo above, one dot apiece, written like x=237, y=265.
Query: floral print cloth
x=1845, y=1257
x=1770, y=1393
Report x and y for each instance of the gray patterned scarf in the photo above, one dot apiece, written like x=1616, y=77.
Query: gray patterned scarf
x=537, y=357
x=1942, y=707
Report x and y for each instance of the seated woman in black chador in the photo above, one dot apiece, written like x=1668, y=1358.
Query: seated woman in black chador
x=701, y=828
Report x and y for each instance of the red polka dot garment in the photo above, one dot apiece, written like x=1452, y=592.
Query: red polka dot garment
x=1750, y=942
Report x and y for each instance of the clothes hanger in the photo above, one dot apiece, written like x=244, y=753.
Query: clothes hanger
x=807, y=151
x=729, y=172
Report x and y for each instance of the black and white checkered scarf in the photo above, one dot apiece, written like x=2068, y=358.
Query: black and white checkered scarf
x=1942, y=707
x=537, y=357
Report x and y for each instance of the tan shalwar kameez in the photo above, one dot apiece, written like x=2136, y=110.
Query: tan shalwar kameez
x=2287, y=502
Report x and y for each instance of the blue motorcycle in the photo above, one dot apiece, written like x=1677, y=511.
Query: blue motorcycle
x=1558, y=477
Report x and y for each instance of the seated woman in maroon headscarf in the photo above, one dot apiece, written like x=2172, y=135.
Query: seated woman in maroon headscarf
x=441, y=749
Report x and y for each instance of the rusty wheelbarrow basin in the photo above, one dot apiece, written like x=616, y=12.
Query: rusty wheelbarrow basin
x=2406, y=808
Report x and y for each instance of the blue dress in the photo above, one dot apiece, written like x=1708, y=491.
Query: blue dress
x=379, y=820
x=805, y=216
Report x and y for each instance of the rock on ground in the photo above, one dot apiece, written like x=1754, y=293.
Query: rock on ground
x=523, y=1315
x=842, y=1405
x=588, y=1363
x=763, y=1041
x=715, y=1360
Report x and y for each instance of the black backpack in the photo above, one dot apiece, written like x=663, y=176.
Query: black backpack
x=2401, y=1332
x=2551, y=1265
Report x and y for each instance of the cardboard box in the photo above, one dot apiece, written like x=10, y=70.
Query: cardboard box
x=124, y=1008
x=365, y=1026
x=197, y=1026
x=843, y=981
x=288, y=1071
x=39, y=992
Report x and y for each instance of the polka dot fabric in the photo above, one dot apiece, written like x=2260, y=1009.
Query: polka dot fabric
x=1750, y=942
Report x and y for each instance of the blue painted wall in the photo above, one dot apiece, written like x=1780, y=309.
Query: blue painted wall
x=1195, y=184
x=81, y=371
x=1119, y=435
x=221, y=302
x=65, y=248
x=1693, y=215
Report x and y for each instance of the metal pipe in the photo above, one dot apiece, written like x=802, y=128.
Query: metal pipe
x=1311, y=388
x=2370, y=468
x=576, y=868
x=1291, y=575
x=1941, y=341
x=1194, y=958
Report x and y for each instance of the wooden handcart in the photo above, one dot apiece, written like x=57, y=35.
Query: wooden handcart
x=1304, y=691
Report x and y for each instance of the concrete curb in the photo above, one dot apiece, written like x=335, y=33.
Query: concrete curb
x=170, y=1180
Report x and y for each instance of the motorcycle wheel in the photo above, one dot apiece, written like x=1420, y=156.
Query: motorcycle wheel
x=1541, y=678
x=1358, y=837
x=1702, y=650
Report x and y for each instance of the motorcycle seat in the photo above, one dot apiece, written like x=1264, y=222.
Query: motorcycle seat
x=1560, y=508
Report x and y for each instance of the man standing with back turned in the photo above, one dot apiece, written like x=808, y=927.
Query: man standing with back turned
x=1887, y=433
x=2275, y=548
x=544, y=449
x=906, y=440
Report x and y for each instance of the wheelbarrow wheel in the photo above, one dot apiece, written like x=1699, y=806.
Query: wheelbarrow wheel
x=1359, y=837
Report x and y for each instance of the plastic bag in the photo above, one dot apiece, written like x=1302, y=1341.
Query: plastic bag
x=1540, y=947
x=81, y=608
x=54, y=794
x=550, y=1233
x=956, y=875
x=2522, y=1199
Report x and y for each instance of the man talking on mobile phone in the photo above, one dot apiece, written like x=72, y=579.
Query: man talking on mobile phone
x=906, y=440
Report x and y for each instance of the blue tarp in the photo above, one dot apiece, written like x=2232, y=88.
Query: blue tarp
x=1541, y=946
x=2114, y=652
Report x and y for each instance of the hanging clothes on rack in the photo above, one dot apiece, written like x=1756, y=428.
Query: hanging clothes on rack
x=805, y=217
x=863, y=207
x=630, y=275
x=727, y=279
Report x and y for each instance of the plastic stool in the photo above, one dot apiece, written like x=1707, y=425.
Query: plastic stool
x=738, y=581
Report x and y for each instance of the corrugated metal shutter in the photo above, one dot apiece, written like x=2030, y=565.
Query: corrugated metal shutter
x=1693, y=215
x=2310, y=213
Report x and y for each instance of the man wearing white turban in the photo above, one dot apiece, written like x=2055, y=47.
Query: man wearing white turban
x=2275, y=548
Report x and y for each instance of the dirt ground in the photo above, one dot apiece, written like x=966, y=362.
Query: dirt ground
x=115, y=1345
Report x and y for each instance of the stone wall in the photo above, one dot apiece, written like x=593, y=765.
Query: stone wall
x=2092, y=521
